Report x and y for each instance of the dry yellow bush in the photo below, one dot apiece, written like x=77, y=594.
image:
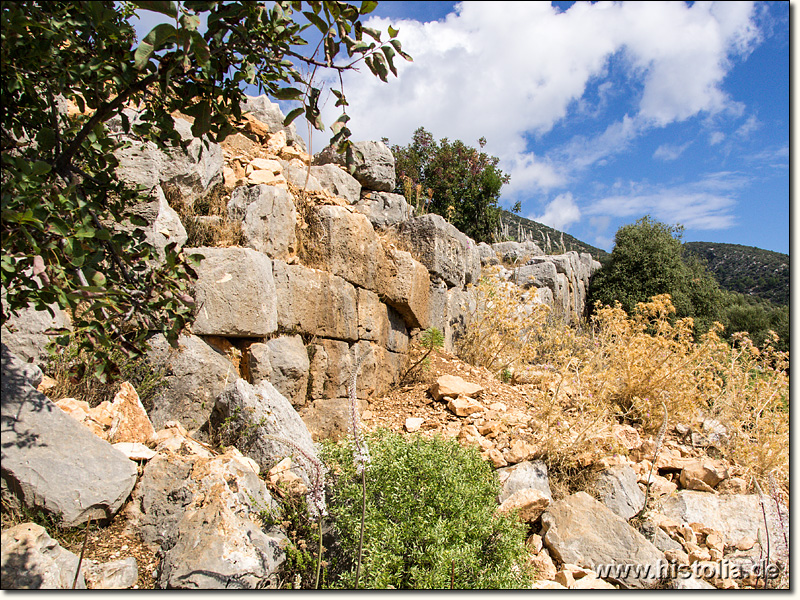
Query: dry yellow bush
x=623, y=367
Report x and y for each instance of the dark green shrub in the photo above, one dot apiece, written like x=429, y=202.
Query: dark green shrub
x=430, y=520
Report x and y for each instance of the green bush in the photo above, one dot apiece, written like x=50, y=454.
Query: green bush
x=430, y=520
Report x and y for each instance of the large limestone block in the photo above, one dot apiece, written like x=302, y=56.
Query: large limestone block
x=51, y=461
x=383, y=209
x=289, y=367
x=315, y=302
x=734, y=515
x=461, y=305
x=380, y=323
x=374, y=169
x=163, y=227
x=346, y=245
x=268, y=218
x=270, y=115
x=192, y=170
x=32, y=560
x=235, y=293
x=619, y=491
x=329, y=418
x=332, y=362
x=251, y=417
x=446, y=252
x=25, y=334
x=299, y=175
x=337, y=181
x=405, y=285
x=539, y=274
x=582, y=531
x=516, y=252
x=195, y=374
x=203, y=513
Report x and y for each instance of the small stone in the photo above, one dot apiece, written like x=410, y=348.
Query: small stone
x=413, y=424
x=530, y=503
x=497, y=458
x=452, y=386
x=746, y=543
x=463, y=407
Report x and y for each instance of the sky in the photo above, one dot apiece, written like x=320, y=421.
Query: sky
x=601, y=113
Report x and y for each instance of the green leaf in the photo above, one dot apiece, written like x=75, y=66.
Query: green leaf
x=398, y=47
x=201, y=51
x=287, y=94
x=317, y=21
x=153, y=41
x=293, y=115
x=138, y=221
x=367, y=7
x=202, y=118
x=160, y=6
x=388, y=52
x=46, y=138
x=40, y=167
x=393, y=32
x=373, y=33
x=189, y=22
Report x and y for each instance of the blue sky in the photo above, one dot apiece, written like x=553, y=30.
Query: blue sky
x=601, y=113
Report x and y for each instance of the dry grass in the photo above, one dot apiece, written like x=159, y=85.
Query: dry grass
x=621, y=368
x=206, y=219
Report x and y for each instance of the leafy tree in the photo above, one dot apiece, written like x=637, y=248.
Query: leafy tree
x=61, y=201
x=461, y=183
x=647, y=260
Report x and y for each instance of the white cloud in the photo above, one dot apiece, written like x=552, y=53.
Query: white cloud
x=704, y=204
x=749, y=126
x=669, y=152
x=560, y=212
x=512, y=71
x=716, y=137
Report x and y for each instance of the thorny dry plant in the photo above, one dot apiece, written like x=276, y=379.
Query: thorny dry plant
x=623, y=367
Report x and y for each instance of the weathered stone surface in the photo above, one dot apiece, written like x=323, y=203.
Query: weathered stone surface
x=25, y=335
x=253, y=415
x=380, y=323
x=522, y=476
x=113, y=575
x=298, y=175
x=300, y=291
x=734, y=516
x=163, y=227
x=51, y=461
x=135, y=450
x=270, y=115
x=582, y=531
x=130, y=422
x=461, y=407
x=452, y=386
x=235, y=293
x=203, y=514
x=195, y=376
x=618, y=490
x=332, y=362
x=32, y=560
x=329, y=418
x=446, y=252
x=338, y=182
x=461, y=305
x=375, y=171
x=515, y=252
x=192, y=171
x=289, y=367
x=413, y=424
x=268, y=219
x=709, y=472
x=404, y=284
x=487, y=254
x=383, y=209
x=530, y=503
x=345, y=244
x=540, y=274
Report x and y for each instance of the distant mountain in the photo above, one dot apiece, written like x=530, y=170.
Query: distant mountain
x=745, y=269
x=552, y=241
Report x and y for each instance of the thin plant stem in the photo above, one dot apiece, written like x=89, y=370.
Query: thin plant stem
x=363, y=512
x=319, y=553
x=83, y=550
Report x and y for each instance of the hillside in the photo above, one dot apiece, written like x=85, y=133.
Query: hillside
x=552, y=241
x=745, y=269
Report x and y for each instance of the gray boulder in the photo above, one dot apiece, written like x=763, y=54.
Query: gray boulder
x=235, y=293
x=523, y=476
x=288, y=367
x=582, y=531
x=514, y=252
x=374, y=170
x=32, y=560
x=540, y=274
x=383, y=209
x=268, y=219
x=301, y=176
x=446, y=252
x=337, y=181
x=251, y=417
x=734, y=515
x=51, y=461
x=26, y=334
x=618, y=490
x=270, y=114
x=487, y=254
x=194, y=375
x=192, y=171
x=203, y=513
x=113, y=575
